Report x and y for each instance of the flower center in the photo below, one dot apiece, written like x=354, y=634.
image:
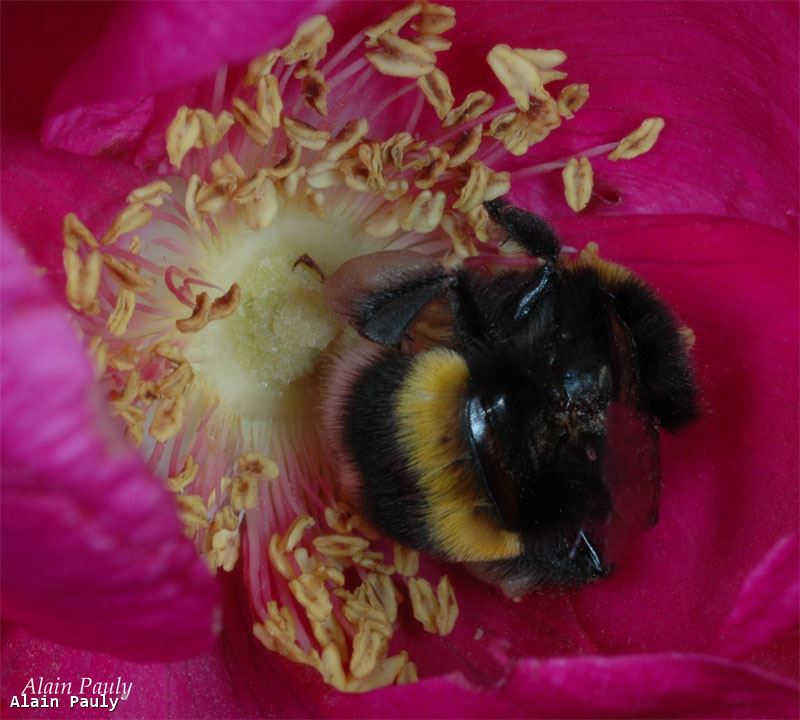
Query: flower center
x=202, y=304
x=282, y=326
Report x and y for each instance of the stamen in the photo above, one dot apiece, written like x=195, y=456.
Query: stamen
x=260, y=67
x=343, y=75
x=543, y=59
x=83, y=280
x=75, y=233
x=345, y=51
x=305, y=135
x=413, y=118
x=474, y=106
x=571, y=99
x=401, y=58
x=578, y=180
x=168, y=418
x=268, y=100
x=436, y=19
x=639, y=141
x=687, y=336
x=436, y=88
x=219, y=89
x=131, y=218
x=392, y=24
x=151, y=194
x=448, y=607
x=406, y=560
x=520, y=77
x=389, y=100
x=310, y=41
x=257, y=129
x=424, y=603
x=118, y=320
x=561, y=163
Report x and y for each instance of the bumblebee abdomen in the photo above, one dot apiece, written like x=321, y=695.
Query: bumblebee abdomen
x=387, y=491
x=402, y=433
x=431, y=422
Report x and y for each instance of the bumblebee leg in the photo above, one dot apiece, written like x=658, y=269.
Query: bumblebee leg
x=548, y=562
x=470, y=322
x=593, y=563
x=381, y=294
x=532, y=232
x=666, y=387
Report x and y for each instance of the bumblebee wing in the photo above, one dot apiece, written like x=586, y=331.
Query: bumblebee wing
x=631, y=464
x=381, y=294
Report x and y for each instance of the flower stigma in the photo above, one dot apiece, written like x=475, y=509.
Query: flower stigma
x=202, y=304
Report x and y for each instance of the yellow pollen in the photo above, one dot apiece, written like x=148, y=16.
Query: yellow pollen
x=151, y=194
x=578, y=178
x=393, y=23
x=520, y=77
x=639, y=141
x=310, y=41
x=688, y=337
x=424, y=602
x=353, y=626
x=256, y=127
x=75, y=233
x=126, y=275
x=402, y=58
x=406, y=560
x=118, y=320
x=185, y=478
x=131, y=218
x=571, y=99
x=168, y=418
x=436, y=88
x=435, y=20
x=83, y=280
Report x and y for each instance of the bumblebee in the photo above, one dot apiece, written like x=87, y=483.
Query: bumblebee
x=517, y=434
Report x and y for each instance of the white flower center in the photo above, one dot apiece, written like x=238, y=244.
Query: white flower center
x=256, y=360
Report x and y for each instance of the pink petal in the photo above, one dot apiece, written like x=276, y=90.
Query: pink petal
x=45, y=38
x=150, y=48
x=39, y=187
x=93, y=554
x=730, y=489
x=687, y=686
x=235, y=679
x=668, y=59
x=768, y=606
x=730, y=483
x=700, y=66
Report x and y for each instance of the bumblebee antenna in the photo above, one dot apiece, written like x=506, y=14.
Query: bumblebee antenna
x=534, y=233
x=538, y=238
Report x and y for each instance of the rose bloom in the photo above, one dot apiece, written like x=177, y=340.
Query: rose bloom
x=136, y=453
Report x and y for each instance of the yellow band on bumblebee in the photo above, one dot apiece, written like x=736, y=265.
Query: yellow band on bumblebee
x=429, y=411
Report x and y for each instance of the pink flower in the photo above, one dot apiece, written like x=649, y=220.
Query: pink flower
x=701, y=618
